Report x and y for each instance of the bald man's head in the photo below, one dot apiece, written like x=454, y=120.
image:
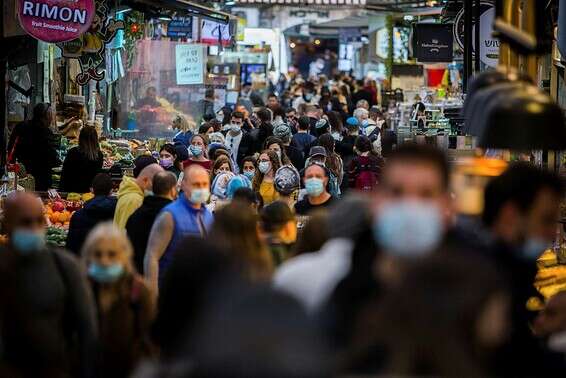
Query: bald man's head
x=196, y=177
x=145, y=178
x=24, y=221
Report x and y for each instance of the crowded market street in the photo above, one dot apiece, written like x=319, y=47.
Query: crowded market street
x=282, y=188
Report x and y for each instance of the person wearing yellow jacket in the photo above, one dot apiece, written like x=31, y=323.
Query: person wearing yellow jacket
x=132, y=190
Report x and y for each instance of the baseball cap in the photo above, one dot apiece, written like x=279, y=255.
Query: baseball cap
x=286, y=180
x=317, y=150
x=141, y=162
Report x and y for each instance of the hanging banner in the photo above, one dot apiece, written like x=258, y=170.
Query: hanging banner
x=434, y=43
x=90, y=47
x=189, y=64
x=180, y=27
x=215, y=33
x=56, y=20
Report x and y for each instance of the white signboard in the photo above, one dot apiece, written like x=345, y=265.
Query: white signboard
x=489, y=46
x=190, y=64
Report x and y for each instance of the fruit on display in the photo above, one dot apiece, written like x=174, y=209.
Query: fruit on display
x=59, y=212
x=87, y=197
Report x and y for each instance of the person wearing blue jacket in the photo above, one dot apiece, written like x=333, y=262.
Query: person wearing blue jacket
x=187, y=216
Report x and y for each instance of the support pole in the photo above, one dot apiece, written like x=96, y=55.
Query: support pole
x=468, y=19
x=477, y=42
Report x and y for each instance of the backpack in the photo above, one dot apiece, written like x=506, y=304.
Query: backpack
x=367, y=177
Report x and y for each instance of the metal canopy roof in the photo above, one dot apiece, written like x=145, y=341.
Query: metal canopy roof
x=332, y=28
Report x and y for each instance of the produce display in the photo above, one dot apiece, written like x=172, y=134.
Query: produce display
x=56, y=236
x=117, y=152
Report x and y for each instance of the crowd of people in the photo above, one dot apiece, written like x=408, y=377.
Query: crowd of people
x=291, y=238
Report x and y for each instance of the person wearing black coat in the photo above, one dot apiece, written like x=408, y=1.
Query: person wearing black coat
x=35, y=146
x=79, y=171
x=99, y=209
x=141, y=221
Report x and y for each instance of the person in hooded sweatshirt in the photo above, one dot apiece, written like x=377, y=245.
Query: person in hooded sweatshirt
x=99, y=209
x=132, y=190
x=140, y=223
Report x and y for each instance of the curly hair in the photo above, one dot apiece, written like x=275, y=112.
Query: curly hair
x=275, y=165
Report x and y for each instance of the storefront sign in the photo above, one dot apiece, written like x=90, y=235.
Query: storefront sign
x=56, y=20
x=214, y=33
x=180, y=27
x=489, y=46
x=189, y=64
x=434, y=43
x=90, y=47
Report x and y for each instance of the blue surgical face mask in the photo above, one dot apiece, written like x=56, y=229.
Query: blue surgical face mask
x=105, y=274
x=264, y=166
x=199, y=196
x=308, y=96
x=27, y=241
x=314, y=186
x=533, y=248
x=365, y=123
x=408, y=228
x=195, y=150
x=249, y=174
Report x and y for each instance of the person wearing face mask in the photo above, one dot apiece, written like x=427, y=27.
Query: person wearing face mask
x=263, y=181
x=238, y=141
x=221, y=165
x=408, y=220
x=168, y=159
x=308, y=96
x=133, y=190
x=140, y=222
x=521, y=210
x=279, y=227
x=125, y=304
x=362, y=115
x=186, y=216
x=249, y=167
x=315, y=180
x=49, y=326
x=198, y=153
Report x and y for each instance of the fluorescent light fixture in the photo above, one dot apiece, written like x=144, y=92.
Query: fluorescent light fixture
x=164, y=17
x=123, y=9
x=231, y=2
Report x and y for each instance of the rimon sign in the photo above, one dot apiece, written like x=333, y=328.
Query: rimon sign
x=56, y=20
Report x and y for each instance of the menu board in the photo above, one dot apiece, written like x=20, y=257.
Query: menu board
x=190, y=64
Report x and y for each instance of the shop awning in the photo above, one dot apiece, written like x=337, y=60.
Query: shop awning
x=305, y=2
x=183, y=6
x=338, y=27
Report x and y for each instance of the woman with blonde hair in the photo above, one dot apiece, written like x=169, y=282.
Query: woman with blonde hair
x=236, y=230
x=184, y=130
x=125, y=304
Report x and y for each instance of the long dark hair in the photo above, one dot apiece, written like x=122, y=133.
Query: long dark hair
x=275, y=140
x=88, y=143
x=275, y=165
x=42, y=116
x=332, y=159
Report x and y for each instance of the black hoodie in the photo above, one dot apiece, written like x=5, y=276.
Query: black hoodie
x=98, y=209
x=140, y=223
